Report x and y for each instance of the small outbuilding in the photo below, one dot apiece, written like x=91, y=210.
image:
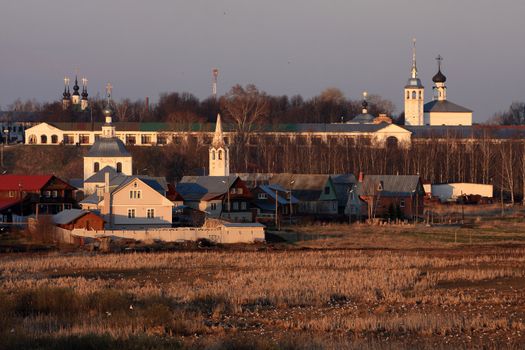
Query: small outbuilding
x=77, y=218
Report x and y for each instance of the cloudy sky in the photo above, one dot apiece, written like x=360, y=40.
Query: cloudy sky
x=284, y=47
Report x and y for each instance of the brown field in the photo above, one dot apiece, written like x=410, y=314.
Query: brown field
x=334, y=287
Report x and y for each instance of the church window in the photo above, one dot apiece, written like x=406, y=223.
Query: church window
x=408, y=95
x=420, y=95
x=32, y=139
x=151, y=213
x=413, y=95
x=131, y=213
x=43, y=139
x=54, y=139
x=213, y=155
x=96, y=167
x=119, y=167
x=220, y=154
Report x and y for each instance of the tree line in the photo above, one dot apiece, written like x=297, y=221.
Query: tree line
x=241, y=105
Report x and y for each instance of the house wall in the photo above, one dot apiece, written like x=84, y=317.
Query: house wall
x=409, y=206
x=88, y=221
x=149, y=199
x=450, y=118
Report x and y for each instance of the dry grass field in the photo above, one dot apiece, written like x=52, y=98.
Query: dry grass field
x=335, y=287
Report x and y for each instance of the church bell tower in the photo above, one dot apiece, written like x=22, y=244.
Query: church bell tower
x=414, y=95
x=219, y=153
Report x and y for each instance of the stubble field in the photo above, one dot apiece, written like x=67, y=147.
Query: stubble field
x=308, y=295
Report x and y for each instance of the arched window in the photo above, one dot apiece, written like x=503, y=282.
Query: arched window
x=43, y=139
x=420, y=94
x=54, y=139
x=32, y=139
x=408, y=95
x=220, y=154
x=96, y=167
x=119, y=167
x=213, y=155
x=413, y=95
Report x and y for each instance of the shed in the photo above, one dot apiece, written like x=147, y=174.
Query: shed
x=78, y=218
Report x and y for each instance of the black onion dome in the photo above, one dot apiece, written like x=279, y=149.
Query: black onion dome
x=84, y=94
x=439, y=77
x=65, y=95
x=76, y=87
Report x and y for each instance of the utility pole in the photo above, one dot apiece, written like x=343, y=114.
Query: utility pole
x=276, y=209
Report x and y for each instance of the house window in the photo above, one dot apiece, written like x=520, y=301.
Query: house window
x=239, y=191
x=55, y=194
x=235, y=205
x=213, y=206
x=131, y=213
x=327, y=190
x=134, y=194
x=243, y=205
x=151, y=213
x=11, y=193
x=263, y=196
x=47, y=194
x=233, y=190
x=402, y=203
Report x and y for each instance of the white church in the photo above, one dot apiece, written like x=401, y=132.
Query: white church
x=439, y=111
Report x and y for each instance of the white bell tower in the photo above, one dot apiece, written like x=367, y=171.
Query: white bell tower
x=414, y=95
x=219, y=153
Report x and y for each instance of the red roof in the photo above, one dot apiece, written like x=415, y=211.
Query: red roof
x=7, y=203
x=23, y=182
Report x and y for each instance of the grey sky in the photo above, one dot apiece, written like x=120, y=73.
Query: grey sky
x=284, y=47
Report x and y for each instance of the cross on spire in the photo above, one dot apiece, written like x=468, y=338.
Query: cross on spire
x=439, y=59
x=109, y=89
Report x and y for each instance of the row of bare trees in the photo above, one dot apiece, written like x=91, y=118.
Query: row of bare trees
x=241, y=105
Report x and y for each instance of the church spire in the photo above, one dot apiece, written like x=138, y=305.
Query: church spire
x=414, y=67
x=218, y=138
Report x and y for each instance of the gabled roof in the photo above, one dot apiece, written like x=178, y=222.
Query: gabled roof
x=8, y=203
x=388, y=185
x=108, y=147
x=204, y=187
x=26, y=182
x=444, y=107
x=100, y=175
x=306, y=187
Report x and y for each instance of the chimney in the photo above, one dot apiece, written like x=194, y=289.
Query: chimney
x=360, y=179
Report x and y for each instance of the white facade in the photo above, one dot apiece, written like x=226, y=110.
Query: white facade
x=448, y=118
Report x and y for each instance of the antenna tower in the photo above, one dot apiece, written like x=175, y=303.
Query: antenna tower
x=215, y=75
